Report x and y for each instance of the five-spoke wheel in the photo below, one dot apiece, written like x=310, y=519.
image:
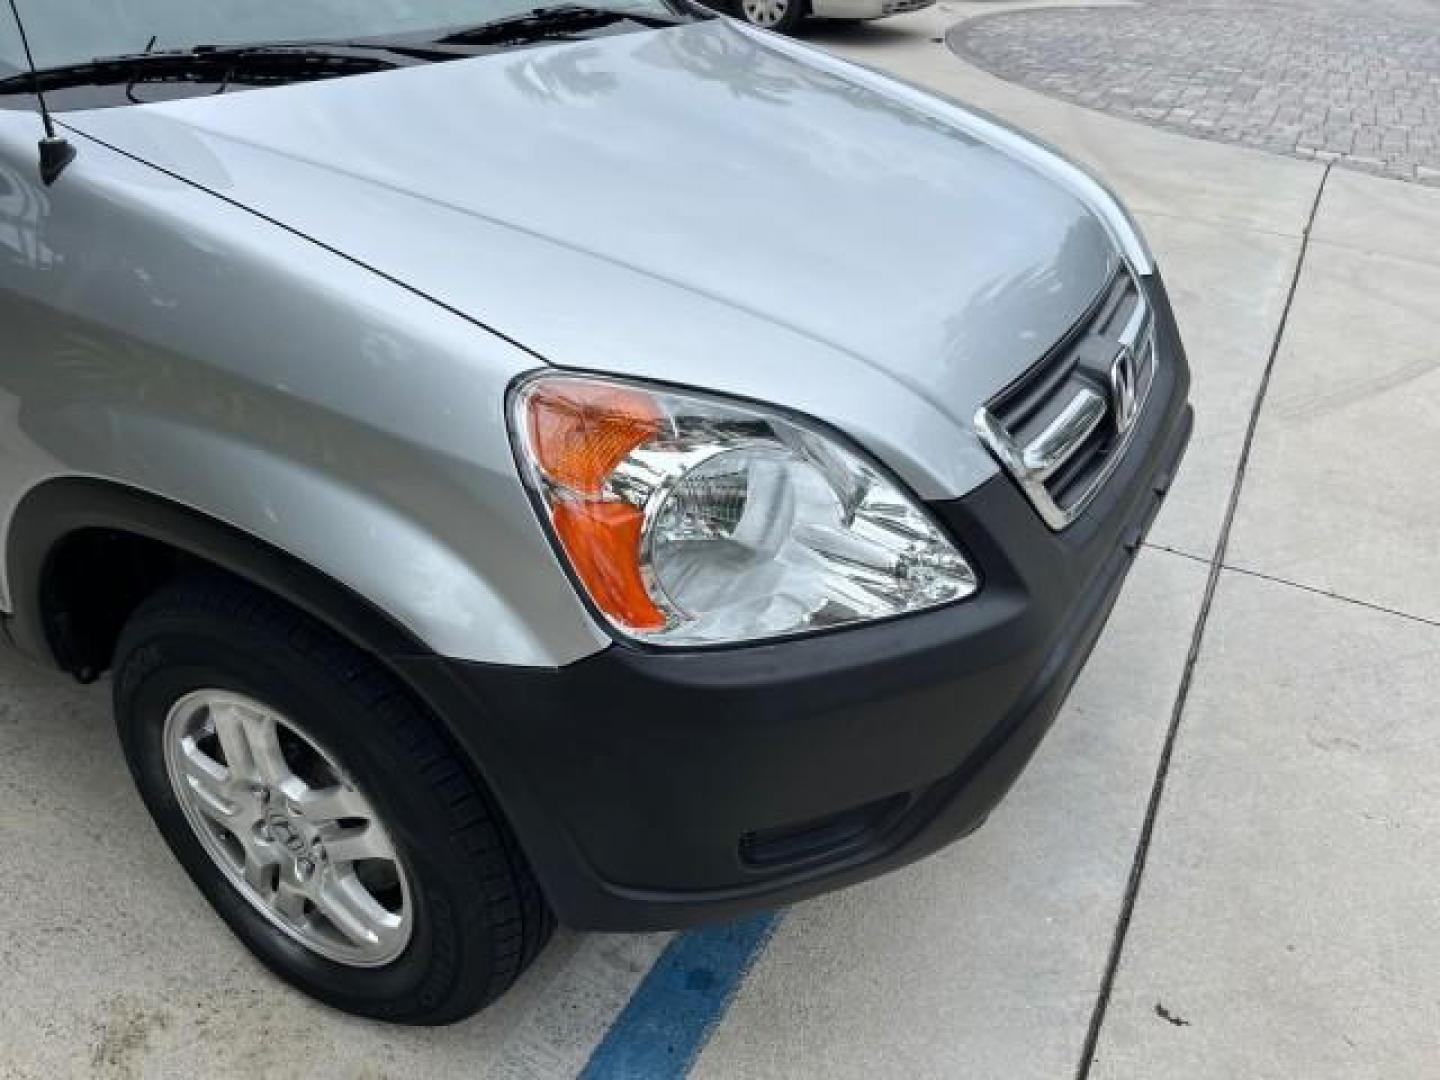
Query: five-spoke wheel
x=288, y=828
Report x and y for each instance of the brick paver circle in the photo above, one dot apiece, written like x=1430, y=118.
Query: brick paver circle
x=1353, y=83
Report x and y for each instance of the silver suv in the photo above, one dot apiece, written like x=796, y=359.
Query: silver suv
x=614, y=465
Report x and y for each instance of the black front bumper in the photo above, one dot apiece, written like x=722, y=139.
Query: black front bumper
x=663, y=789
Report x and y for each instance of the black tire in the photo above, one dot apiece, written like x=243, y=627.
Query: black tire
x=478, y=916
x=789, y=21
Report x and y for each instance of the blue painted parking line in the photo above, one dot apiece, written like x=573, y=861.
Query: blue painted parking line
x=673, y=1013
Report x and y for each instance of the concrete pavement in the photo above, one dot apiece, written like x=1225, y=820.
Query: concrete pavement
x=1337, y=498
x=1289, y=922
x=1285, y=916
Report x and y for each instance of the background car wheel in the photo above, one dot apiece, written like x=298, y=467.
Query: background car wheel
x=783, y=16
x=320, y=809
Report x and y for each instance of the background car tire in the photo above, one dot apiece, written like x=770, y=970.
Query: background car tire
x=477, y=916
x=782, y=16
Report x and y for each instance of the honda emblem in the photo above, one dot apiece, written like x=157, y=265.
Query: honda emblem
x=1124, y=388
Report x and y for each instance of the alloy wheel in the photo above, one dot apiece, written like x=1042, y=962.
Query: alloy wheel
x=288, y=828
x=767, y=13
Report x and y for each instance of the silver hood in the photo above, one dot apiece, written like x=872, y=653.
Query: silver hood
x=701, y=204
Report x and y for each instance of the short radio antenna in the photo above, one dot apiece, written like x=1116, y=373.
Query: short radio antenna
x=55, y=152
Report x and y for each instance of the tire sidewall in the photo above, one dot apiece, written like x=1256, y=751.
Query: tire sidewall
x=156, y=672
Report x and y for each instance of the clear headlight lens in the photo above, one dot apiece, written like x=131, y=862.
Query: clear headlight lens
x=695, y=521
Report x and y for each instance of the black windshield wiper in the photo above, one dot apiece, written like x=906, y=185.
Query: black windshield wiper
x=250, y=64
x=556, y=20
x=276, y=63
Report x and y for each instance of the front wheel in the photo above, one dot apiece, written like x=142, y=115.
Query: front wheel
x=319, y=809
x=782, y=16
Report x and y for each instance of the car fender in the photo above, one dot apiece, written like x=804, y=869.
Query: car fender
x=168, y=342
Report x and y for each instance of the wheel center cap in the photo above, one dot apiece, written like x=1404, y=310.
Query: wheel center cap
x=286, y=833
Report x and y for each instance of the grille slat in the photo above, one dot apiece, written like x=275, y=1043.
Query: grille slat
x=1109, y=353
x=1037, y=404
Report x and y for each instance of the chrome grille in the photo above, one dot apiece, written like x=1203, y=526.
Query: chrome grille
x=1063, y=427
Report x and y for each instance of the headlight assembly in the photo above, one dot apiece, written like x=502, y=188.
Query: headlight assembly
x=691, y=520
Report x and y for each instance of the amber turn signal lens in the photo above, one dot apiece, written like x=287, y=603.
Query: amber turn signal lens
x=580, y=432
x=603, y=542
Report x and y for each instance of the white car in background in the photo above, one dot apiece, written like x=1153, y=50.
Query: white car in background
x=786, y=15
